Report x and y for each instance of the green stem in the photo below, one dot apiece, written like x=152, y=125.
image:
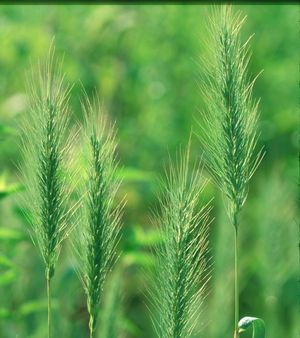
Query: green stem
x=49, y=305
x=236, y=284
x=91, y=326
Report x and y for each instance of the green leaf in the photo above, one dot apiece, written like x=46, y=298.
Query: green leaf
x=130, y=327
x=36, y=306
x=257, y=324
x=4, y=313
x=138, y=258
x=10, y=234
x=129, y=174
x=33, y=307
x=4, y=261
x=8, y=189
x=8, y=277
x=146, y=237
x=4, y=131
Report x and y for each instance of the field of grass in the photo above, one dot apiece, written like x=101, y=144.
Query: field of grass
x=145, y=62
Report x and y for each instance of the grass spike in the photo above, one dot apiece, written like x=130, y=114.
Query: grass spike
x=101, y=215
x=229, y=131
x=45, y=149
x=182, y=264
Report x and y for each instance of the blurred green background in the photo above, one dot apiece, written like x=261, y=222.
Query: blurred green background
x=142, y=60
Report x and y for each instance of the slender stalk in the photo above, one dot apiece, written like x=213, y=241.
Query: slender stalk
x=91, y=325
x=48, y=279
x=111, y=313
x=236, y=281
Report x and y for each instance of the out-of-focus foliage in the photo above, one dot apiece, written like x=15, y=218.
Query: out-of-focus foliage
x=142, y=60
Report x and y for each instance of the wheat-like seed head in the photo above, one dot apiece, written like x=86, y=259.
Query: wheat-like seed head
x=45, y=147
x=100, y=219
x=182, y=263
x=229, y=131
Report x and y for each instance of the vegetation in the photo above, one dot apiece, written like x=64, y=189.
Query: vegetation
x=181, y=274
x=139, y=59
x=100, y=221
x=230, y=129
x=45, y=148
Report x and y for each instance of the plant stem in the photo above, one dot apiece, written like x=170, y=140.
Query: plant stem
x=236, y=285
x=91, y=326
x=49, y=306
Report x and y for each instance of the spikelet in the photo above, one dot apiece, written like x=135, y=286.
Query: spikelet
x=100, y=220
x=45, y=146
x=183, y=271
x=229, y=128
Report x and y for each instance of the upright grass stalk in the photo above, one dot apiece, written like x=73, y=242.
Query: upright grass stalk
x=229, y=132
x=101, y=215
x=49, y=306
x=182, y=263
x=45, y=147
x=112, y=312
